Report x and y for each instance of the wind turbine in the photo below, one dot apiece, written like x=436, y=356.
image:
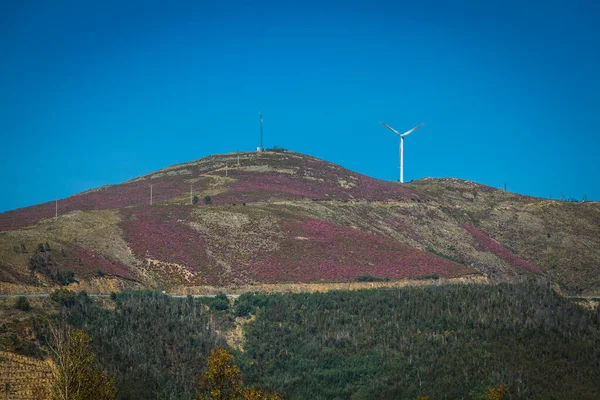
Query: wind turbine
x=402, y=145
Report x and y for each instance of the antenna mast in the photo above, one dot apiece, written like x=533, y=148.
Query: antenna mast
x=260, y=148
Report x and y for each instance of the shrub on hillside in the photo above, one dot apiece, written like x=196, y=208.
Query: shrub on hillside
x=22, y=304
x=249, y=303
x=370, y=278
x=63, y=297
x=218, y=303
x=426, y=277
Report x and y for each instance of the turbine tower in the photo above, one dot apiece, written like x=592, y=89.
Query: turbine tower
x=401, y=145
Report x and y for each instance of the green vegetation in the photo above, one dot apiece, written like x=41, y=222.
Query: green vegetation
x=444, y=255
x=222, y=380
x=442, y=342
x=207, y=200
x=426, y=277
x=78, y=376
x=22, y=304
x=44, y=262
x=369, y=278
x=448, y=341
x=155, y=345
x=218, y=303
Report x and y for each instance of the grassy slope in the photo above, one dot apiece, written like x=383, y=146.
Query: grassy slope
x=563, y=239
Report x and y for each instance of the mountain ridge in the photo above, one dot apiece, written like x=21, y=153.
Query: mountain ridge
x=283, y=217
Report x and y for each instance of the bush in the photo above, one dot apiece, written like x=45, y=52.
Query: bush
x=22, y=304
x=195, y=200
x=207, y=200
x=425, y=277
x=218, y=303
x=63, y=278
x=369, y=278
x=63, y=297
x=446, y=256
x=248, y=303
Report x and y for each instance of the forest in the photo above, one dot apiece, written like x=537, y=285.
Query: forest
x=440, y=342
x=453, y=342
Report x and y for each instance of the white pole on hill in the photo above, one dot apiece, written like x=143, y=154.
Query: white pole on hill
x=150, y=194
x=401, y=145
x=401, y=159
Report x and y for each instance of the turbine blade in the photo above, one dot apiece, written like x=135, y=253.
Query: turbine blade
x=412, y=130
x=390, y=128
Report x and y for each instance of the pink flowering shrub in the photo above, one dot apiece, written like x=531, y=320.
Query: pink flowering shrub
x=87, y=264
x=253, y=186
x=315, y=250
x=260, y=187
x=489, y=244
x=162, y=233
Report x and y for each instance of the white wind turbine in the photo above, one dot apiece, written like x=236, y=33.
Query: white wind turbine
x=402, y=145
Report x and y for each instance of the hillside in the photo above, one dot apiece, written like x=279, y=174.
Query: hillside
x=282, y=217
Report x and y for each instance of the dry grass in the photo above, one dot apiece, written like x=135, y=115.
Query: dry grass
x=235, y=336
x=322, y=287
x=15, y=288
x=104, y=285
x=94, y=230
x=24, y=378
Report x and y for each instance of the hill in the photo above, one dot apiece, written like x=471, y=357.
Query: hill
x=282, y=217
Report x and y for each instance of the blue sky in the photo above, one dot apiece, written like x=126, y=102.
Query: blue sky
x=94, y=93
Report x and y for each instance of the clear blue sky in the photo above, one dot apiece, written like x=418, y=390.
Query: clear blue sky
x=98, y=94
